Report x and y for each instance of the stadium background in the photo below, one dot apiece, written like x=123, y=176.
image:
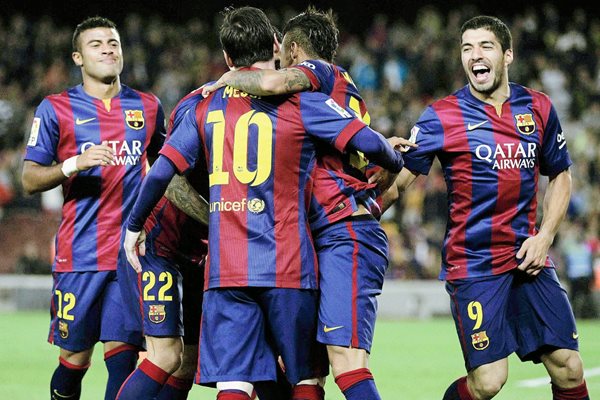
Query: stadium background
x=401, y=56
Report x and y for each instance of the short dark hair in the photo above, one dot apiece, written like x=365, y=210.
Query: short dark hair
x=90, y=23
x=315, y=31
x=246, y=35
x=492, y=24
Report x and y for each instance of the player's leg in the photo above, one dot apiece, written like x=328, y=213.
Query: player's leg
x=121, y=346
x=234, y=351
x=352, y=263
x=548, y=334
x=480, y=308
x=160, y=298
x=74, y=328
x=180, y=382
x=291, y=319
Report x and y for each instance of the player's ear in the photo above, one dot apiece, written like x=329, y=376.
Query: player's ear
x=76, y=56
x=508, y=57
x=276, y=45
x=294, y=50
x=228, y=60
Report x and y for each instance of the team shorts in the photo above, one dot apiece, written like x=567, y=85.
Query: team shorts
x=166, y=297
x=87, y=307
x=244, y=330
x=353, y=258
x=511, y=312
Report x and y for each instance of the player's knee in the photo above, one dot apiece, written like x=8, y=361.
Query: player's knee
x=487, y=386
x=167, y=359
x=568, y=369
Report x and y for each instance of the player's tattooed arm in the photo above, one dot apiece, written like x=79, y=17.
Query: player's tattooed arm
x=187, y=199
x=264, y=82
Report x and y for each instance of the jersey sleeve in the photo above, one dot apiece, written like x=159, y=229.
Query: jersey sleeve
x=428, y=133
x=554, y=156
x=318, y=73
x=326, y=120
x=159, y=135
x=44, y=135
x=183, y=146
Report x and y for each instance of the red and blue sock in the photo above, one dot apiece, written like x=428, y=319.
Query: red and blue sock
x=175, y=389
x=66, y=380
x=231, y=394
x=358, y=385
x=458, y=390
x=144, y=383
x=308, y=392
x=577, y=393
x=120, y=362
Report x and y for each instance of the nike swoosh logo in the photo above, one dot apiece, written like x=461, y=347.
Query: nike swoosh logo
x=83, y=121
x=474, y=126
x=60, y=396
x=575, y=335
x=333, y=328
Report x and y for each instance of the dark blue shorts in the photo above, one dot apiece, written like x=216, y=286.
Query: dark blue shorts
x=244, y=330
x=166, y=298
x=86, y=308
x=511, y=312
x=352, y=264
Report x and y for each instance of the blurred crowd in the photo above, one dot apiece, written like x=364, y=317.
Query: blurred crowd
x=399, y=66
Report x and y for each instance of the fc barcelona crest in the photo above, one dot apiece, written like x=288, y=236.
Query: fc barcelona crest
x=525, y=123
x=63, y=329
x=157, y=313
x=134, y=119
x=480, y=340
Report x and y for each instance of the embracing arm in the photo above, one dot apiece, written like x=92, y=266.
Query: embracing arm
x=534, y=250
x=263, y=83
x=187, y=199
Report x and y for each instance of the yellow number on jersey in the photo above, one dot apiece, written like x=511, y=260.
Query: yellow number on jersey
x=150, y=277
x=475, y=313
x=66, y=302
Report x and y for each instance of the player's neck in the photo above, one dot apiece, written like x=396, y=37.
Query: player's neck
x=495, y=98
x=264, y=64
x=101, y=90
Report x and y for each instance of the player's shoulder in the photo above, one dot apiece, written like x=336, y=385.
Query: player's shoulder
x=536, y=95
x=127, y=91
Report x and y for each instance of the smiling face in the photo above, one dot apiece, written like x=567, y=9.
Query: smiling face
x=99, y=54
x=484, y=62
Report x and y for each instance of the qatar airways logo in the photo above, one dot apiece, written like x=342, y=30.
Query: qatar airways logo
x=508, y=155
x=254, y=205
x=126, y=153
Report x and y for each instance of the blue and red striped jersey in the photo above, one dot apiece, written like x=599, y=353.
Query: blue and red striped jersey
x=96, y=201
x=170, y=231
x=491, y=162
x=341, y=178
x=260, y=156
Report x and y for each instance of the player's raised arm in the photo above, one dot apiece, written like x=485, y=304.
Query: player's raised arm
x=263, y=82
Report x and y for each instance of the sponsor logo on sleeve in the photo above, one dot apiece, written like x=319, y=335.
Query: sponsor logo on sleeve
x=337, y=108
x=35, y=130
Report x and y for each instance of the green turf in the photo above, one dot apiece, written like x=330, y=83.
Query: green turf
x=411, y=360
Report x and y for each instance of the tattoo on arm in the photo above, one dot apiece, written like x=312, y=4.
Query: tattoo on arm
x=288, y=80
x=295, y=80
x=187, y=199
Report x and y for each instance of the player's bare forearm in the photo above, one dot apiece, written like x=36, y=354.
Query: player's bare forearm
x=269, y=82
x=534, y=250
x=187, y=199
x=39, y=178
x=556, y=202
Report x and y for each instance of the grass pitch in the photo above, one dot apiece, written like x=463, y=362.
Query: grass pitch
x=410, y=359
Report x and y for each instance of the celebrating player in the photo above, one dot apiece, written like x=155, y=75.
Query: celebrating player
x=351, y=245
x=169, y=303
x=260, y=253
x=493, y=138
x=95, y=139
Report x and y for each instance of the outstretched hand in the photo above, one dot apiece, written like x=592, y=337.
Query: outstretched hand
x=401, y=144
x=134, y=244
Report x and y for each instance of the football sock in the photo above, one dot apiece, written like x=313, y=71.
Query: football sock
x=458, y=390
x=308, y=392
x=175, y=389
x=577, y=393
x=144, y=383
x=230, y=394
x=66, y=380
x=120, y=362
x=358, y=385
